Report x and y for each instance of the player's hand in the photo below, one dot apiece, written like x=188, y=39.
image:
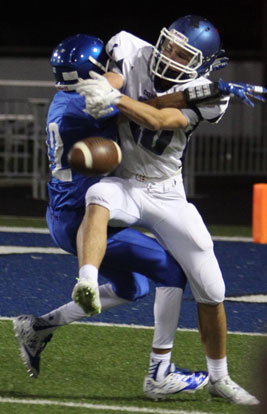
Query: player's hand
x=220, y=62
x=98, y=94
x=244, y=91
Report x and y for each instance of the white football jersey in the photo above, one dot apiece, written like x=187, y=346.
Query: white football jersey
x=155, y=154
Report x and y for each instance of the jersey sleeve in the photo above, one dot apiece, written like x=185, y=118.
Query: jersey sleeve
x=213, y=112
x=123, y=45
x=210, y=112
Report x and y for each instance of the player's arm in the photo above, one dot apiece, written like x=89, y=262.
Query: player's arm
x=102, y=91
x=172, y=100
x=150, y=117
x=157, y=113
x=208, y=93
x=115, y=79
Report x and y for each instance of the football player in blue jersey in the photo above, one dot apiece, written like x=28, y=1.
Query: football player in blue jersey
x=131, y=256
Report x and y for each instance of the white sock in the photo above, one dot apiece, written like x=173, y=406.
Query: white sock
x=70, y=312
x=217, y=368
x=167, y=305
x=159, y=364
x=108, y=297
x=88, y=272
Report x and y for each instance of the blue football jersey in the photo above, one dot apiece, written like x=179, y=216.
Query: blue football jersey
x=67, y=123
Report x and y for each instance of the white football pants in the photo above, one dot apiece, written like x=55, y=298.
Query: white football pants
x=162, y=208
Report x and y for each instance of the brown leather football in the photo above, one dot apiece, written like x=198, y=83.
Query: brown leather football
x=94, y=155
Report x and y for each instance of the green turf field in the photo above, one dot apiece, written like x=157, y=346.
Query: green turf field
x=100, y=369
x=92, y=367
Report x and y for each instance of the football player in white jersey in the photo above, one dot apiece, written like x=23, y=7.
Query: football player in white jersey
x=147, y=189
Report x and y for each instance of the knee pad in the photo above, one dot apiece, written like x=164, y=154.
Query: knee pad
x=209, y=288
x=214, y=286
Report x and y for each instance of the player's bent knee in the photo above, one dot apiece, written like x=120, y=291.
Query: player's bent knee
x=216, y=294
x=212, y=290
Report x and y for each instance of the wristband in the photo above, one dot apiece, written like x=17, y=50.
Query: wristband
x=200, y=93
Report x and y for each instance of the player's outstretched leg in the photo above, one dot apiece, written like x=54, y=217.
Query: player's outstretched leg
x=177, y=380
x=86, y=294
x=228, y=389
x=32, y=334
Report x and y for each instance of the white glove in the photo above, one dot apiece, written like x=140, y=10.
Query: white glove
x=98, y=94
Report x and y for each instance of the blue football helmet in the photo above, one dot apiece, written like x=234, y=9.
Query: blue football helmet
x=75, y=56
x=196, y=37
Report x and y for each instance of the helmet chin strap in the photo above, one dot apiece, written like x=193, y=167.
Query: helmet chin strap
x=66, y=88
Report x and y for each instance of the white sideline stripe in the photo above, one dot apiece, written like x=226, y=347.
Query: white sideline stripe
x=100, y=324
x=248, y=298
x=117, y=408
x=46, y=231
x=132, y=326
x=26, y=83
x=29, y=250
x=6, y=229
x=233, y=238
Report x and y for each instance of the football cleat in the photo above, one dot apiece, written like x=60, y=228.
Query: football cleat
x=228, y=389
x=177, y=380
x=31, y=342
x=86, y=294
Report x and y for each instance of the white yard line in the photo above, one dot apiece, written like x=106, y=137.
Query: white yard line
x=262, y=298
x=132, y=326
x=99, y=407
x=29, y=250
x=7, y=229
x=46, y=231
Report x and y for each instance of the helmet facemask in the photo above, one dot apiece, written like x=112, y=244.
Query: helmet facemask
x=169, y=69
x=99, y=65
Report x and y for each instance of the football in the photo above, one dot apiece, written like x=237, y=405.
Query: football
x=94, y=156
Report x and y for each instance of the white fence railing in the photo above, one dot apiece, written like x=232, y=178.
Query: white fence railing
x=23, y=158
x=235, y=146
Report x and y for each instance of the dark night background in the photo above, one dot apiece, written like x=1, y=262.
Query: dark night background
x=33, y=29
x=36, y=27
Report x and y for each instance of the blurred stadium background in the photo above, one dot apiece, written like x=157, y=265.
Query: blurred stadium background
x=223, y=161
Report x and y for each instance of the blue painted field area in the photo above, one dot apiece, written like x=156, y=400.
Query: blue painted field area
x=39, y=282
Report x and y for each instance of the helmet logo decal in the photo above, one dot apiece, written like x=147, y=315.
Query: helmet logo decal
x=69, y=76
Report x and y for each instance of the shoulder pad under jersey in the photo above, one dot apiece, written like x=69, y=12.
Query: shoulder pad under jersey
x=124, y=44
